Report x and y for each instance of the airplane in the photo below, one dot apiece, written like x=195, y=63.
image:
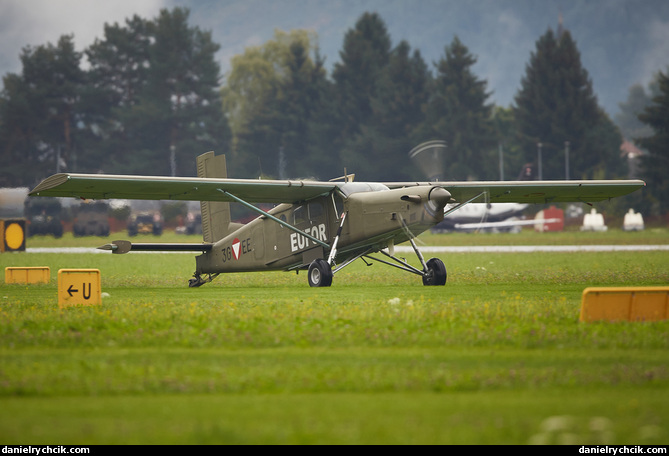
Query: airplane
x=483, y=216
x=317, y=226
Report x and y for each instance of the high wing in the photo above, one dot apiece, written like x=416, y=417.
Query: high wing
x=106, y=186
x=109, y=186
x=542, y=192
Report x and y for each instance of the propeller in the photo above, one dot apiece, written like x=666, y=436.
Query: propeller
x=430, y=158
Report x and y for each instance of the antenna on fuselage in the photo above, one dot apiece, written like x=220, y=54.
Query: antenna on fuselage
x=346, y=177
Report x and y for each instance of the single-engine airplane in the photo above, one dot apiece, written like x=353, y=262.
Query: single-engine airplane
x=317, y=226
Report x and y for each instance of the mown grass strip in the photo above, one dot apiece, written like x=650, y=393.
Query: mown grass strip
x=590, y=416
x=496, y=356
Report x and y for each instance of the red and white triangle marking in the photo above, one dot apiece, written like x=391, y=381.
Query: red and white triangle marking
x=236, y=248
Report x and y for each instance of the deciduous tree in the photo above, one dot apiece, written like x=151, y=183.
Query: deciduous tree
x=273, y=95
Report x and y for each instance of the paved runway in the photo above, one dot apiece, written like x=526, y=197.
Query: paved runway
x=429, y=249
x=535, y=248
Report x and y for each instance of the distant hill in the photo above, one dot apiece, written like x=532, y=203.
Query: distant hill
x=622, y=42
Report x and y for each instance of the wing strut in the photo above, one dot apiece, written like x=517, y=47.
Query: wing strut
x=453, y=209
x=413, y=244
x=271, y=217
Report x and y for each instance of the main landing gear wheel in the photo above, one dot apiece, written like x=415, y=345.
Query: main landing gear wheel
x=320, y=274
x=436, y=273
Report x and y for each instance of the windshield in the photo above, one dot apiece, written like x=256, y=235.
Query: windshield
x=357, y=187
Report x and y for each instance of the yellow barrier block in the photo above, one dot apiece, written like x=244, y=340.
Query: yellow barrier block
x=625, y=303
x=79, y=286
x=28, y=274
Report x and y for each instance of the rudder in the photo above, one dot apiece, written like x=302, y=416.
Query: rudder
x=215, y=214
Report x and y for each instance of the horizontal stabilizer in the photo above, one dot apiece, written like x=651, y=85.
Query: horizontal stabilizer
x=127, y=246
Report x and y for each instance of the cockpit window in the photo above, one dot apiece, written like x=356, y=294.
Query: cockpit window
x=350, y=188
x=338, y=204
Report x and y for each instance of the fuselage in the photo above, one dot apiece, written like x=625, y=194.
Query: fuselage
x=376, y=218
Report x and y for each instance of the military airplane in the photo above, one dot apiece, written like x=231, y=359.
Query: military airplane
x=317, y=226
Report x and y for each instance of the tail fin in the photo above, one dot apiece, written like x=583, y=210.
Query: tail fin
x=215, y=215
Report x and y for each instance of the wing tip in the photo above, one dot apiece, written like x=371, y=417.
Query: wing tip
x=49, y=183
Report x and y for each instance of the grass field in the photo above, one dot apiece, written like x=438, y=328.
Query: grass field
x=497, y=356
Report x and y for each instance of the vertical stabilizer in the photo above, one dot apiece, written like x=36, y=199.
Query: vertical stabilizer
x=215, y=215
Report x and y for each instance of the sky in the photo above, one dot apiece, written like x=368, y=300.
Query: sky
x=37, y=22
x=502, y=42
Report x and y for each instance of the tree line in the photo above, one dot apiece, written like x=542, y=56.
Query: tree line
x=147, y=101
x=151, y=97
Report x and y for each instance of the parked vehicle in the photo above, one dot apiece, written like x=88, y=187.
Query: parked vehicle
x=194, y=223
x=92, y=219
x=145, y=223
x=44, y=216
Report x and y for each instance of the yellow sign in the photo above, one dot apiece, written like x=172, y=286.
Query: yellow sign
x=12, y=235
x=29, y=274
x=625, y=304
x=79, y=286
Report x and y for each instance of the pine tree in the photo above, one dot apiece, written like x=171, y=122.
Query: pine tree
x=365, y=54
x=457, y=113
x=159, y=104
x=324, y=133
x=508, y=150
x=555, y=105
x=182, y=96
x=39, y=109
x=302, y=99
x=382, y=145
x=117, y=77
x=18, y=135
x=628, y=117
x=656, y=163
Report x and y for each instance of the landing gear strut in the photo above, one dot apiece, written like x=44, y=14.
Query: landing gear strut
x=320, y=271
x=433, y=272
x=198, y=280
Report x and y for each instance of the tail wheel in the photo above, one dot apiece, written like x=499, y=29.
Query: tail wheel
x=436, y=273
x=320, y=274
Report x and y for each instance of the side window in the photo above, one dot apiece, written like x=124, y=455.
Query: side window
x=282, y=217
x=299, y=215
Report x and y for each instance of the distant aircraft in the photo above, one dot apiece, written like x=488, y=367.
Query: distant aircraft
x=482, y=216
x=317, y=226
x=430, y=157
